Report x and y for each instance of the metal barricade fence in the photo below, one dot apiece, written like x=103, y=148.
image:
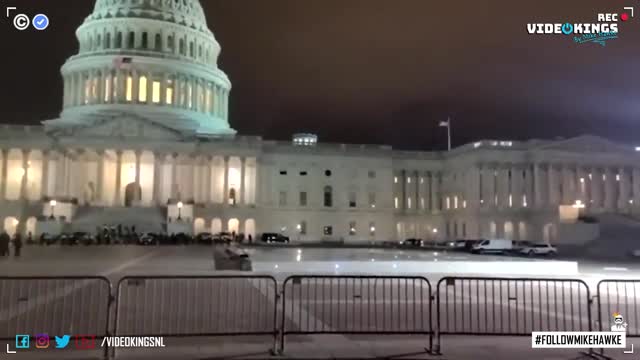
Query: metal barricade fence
x=619, y=296
x=356, y=305
x=78, y=305
x=510, y=306
x=188, y=306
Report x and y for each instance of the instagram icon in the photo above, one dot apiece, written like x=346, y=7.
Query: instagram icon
x=42, y=341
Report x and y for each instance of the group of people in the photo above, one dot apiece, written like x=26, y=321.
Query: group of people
x=5, y=241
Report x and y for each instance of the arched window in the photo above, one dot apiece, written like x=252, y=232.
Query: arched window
x=200, y=52
x=131, y=39
x=145, y=40
x=328, y=196
x=90, y=44
x=171, y=44
x=99, y=42
x=181, y=47
x=118, y=44
x=192, y=50
x=158, y=42
x=107, y=41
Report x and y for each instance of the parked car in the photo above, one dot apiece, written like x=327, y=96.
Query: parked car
x=222, y=237
x=496, y=246
x=466, y=245
x=66, y=239
x=539, y=249
x=83, y=238
x=411, y=243
x=206, y=238
x=147, y=239
x=274, y=237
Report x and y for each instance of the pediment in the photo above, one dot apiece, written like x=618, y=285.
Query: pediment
x=128, y=127
x=586, y=144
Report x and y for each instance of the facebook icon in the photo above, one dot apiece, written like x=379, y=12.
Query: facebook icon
x=22, y=341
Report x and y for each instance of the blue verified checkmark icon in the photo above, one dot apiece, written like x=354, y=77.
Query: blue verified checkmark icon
x=40, y=22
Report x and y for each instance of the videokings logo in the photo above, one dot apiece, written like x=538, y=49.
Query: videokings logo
x=603, y=29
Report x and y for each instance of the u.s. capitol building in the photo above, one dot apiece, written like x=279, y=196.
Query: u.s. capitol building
x=145, y=127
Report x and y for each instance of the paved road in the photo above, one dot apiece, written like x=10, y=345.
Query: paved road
x=317, y=305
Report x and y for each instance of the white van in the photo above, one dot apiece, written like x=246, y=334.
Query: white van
x=493, y=246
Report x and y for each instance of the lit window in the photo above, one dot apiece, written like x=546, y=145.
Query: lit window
x=422, y=203
x=169, y=96
x=372, y=199
x=604, y=177
x=448, y=203
x=372, y=228
x=421, y=180
x=156, y=92
x=524, y=200
x=107, y=89
x=189, y=96
x=352, y=199
x=582, y=180
x=409, y=180
x=464, y=204
x=129, y=89
x=590, y=177
x=409, y=203
x=510, y=200
x=617, y=177
x=455, y=202
x=142, y=89
x=395, y=179
x=303, y=228
x=208, y=101
x=396, y=202
x=352, y=228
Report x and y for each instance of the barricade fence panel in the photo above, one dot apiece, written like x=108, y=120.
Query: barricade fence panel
x=619, y=296
x=356, y=304
x=508, y=306
x=196, y=306
x=54, y=305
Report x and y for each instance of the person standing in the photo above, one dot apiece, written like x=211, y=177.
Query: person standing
x=17, y=244
x=4, y=244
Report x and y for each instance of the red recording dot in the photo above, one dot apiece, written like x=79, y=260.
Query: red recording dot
x=624, y=17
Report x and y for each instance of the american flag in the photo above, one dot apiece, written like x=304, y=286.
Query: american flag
x=122, y=62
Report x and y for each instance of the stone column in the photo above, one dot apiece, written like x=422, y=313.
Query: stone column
x=517, y=187
x=101, y=89
x=553, y=185
x=44, y=180
x=582, y=191
x=609, y=180
x=157, y=178
x=435, y=191
x=117, y=201
x=225, y=196
x=503, y=186
x=100, y=178
x=25, y=177
x=243, y=162
x=163, y=89
x=403, y=181
x=636, y=187
x=174, y=178
x=207, y=178
x=4, y=176
x=624, y=186
x=150, y=94
x=595, y=182
x=138, y=196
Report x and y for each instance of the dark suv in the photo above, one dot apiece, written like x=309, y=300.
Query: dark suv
x=274, y=237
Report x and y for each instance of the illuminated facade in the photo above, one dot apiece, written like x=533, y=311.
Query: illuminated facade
x=145, y=127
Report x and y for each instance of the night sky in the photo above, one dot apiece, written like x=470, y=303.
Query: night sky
x=378, y=71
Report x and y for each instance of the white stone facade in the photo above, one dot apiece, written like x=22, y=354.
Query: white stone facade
x=145, y=126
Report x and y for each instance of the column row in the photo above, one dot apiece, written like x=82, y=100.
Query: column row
x=108, y=86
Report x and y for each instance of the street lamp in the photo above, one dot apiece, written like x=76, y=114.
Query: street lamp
x=180, y=205
x=53, y=204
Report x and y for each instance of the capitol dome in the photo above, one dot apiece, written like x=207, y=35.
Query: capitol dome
x=155, y=59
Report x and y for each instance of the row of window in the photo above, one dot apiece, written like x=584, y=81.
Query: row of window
x=197, y=96
x=327, y=199
x=371, y=174
x=328, y=229
x=143, y=41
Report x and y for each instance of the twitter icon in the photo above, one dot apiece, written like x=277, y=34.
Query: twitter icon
x=62, y=342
